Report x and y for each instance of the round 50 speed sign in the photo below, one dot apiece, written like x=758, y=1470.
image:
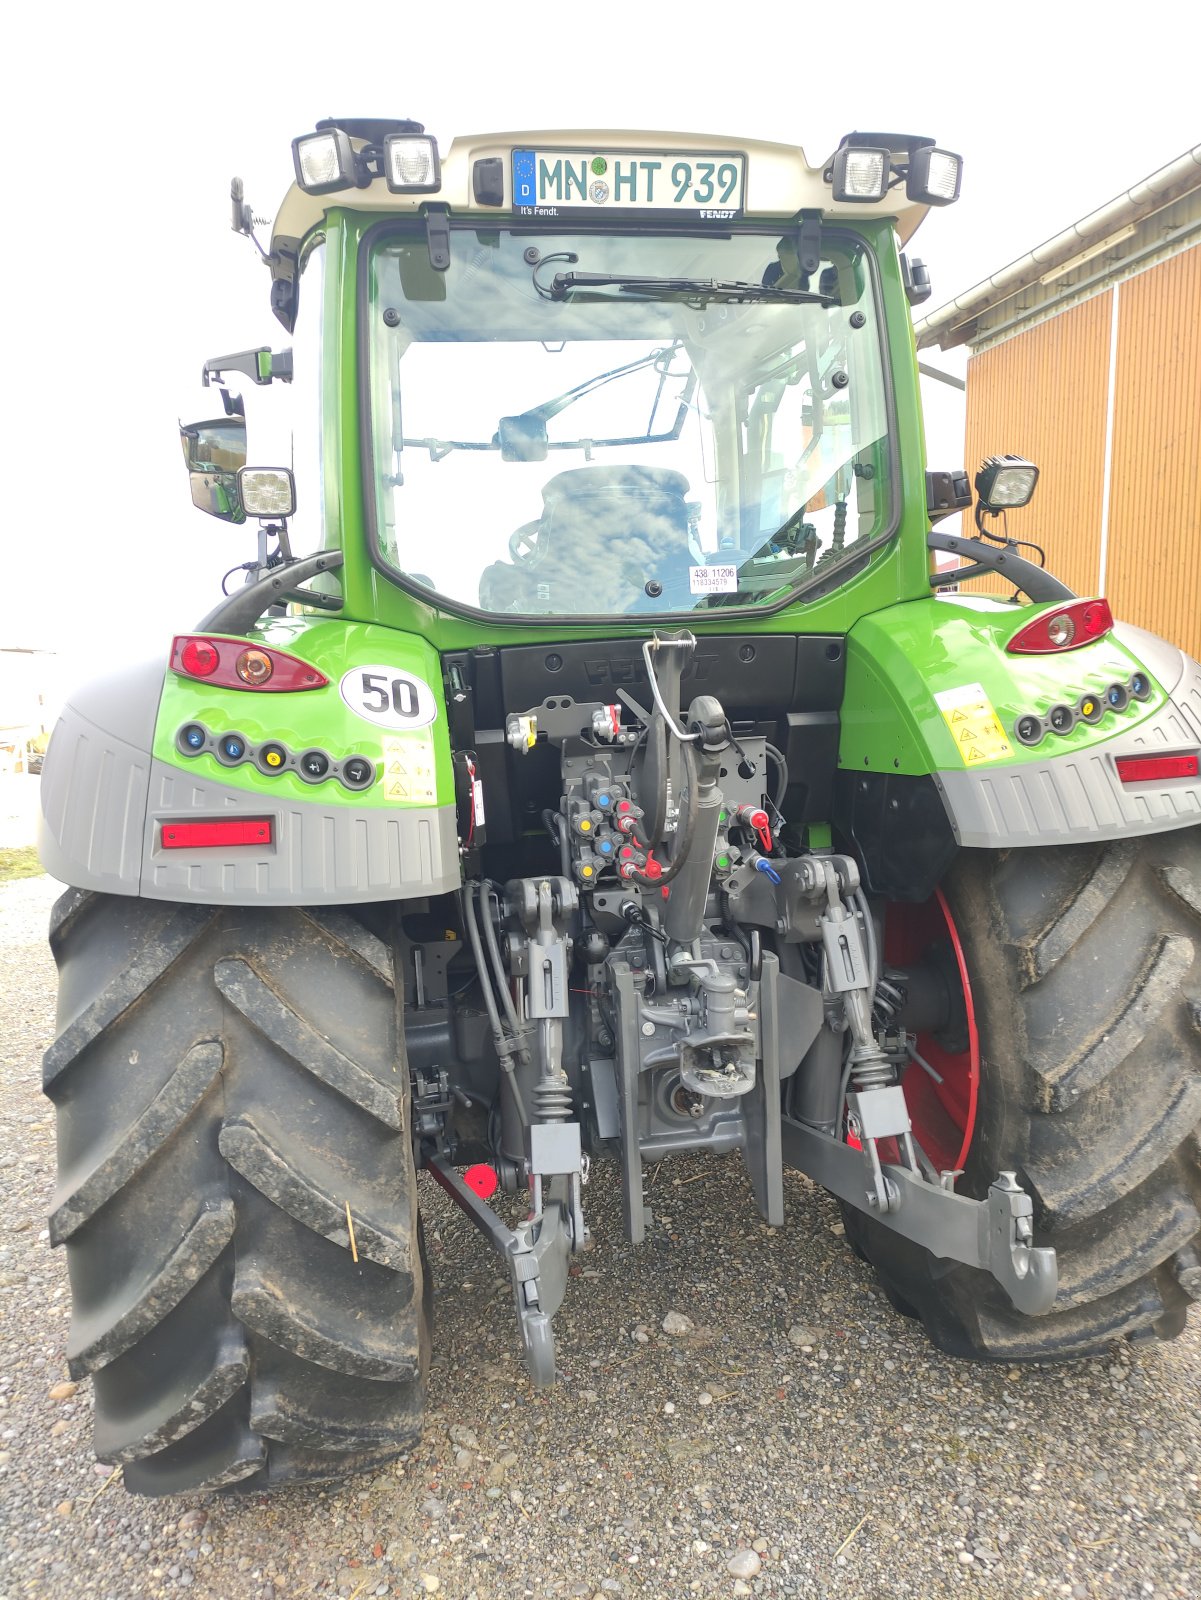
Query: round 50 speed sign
x=389, y=697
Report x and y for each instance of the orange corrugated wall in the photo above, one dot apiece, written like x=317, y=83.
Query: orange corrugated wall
x=1043, y=395
x=1154, y=575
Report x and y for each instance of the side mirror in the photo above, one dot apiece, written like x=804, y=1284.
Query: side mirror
x=915, y=280
x=214, y=453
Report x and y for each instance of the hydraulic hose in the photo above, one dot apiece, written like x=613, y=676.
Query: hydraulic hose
x=777, y=756
x=498, y=968
x=505, y=1047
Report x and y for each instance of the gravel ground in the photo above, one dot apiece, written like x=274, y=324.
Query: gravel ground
x=799, y=1439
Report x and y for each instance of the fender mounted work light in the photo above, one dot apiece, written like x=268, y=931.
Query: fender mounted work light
x=267, y=491
x=411, y=164
x=324, y=161
x=1005, y=482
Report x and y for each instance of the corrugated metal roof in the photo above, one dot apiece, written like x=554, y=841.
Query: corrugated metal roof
x=1150, y=222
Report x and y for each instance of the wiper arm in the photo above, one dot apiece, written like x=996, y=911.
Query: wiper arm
x=702, y=290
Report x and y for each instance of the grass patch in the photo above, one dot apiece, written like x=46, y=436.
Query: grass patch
x=20, y=863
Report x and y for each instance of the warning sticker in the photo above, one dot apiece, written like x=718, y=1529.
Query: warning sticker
x=713, y=580
x=975, y=726
x=409, y=775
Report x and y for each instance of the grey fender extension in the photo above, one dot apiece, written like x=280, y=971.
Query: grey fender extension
x=105, y=798
x=1077, y=797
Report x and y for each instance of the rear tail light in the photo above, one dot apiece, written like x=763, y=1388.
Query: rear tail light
x=1064, y=628
x=233, y=664
x=1150, y=769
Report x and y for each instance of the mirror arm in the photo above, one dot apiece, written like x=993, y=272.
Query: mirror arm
x=240, y=611
x=1031, y=579
x=262, y=366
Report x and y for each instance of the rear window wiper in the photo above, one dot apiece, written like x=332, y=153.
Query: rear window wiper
x=727, y=291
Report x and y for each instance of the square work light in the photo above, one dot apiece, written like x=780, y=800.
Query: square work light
x=860, y=175
x=411, y=164
x=1005, y=482
x=324, y=161
x=934, y=176
x=267, y=491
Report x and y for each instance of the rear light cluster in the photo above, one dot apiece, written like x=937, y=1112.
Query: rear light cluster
x=1092, y=707
x=234, y=664
x=273, y=758
x=1152, y=769
x=1064, y=628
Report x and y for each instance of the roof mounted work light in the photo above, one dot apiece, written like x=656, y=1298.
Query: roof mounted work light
x=934, y=176
x=324, y=161
x=1005, y=482
x=411, y=164
x=860, y=175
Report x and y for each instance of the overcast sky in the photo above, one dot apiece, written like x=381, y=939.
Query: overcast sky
x=128, y=121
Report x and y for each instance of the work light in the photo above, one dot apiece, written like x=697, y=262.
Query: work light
x=933, y=177
x=1005, y=482
x=411, y=164
x=267, y=491
x=324, y=161
x=860, y=175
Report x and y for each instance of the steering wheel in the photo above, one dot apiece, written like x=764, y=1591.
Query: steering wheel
x=523, y=541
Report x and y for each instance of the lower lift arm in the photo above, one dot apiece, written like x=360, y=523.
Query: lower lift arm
x=993, y=1234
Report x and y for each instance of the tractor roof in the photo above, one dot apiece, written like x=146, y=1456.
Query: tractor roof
x=780, y=180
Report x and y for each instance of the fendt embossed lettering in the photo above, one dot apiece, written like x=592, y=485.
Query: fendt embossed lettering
x=619, y=776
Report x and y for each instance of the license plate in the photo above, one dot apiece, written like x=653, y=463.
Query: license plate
x=551, y=182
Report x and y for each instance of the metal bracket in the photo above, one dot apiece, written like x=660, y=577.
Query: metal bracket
x=993, y=1234
x=437, y=235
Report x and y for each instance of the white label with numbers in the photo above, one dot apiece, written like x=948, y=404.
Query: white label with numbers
x=388, y=697
x=713, y=580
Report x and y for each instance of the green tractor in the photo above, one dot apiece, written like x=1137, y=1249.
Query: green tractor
x=626, y=773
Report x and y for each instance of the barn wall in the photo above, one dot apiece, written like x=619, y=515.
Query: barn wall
x=1084, y=390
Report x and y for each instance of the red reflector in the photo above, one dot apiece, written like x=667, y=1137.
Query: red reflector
x=482, y=1180
x=1064, y=628
x=1146, y=769
x=213, y=835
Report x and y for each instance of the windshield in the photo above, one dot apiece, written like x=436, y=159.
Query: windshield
x=595, y=426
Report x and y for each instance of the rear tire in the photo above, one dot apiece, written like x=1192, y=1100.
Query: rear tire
x=1085, y=969
x=227, y=1082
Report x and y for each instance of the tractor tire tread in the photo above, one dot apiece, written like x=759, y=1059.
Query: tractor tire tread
x=227, y=1084
x=1096, y=1106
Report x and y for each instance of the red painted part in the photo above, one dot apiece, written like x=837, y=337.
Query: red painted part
x=482, y=1179
x=943, y=1115
x=1148, y=769
x=215, y=835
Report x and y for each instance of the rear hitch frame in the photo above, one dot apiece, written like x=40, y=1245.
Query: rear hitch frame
x=994, y=1235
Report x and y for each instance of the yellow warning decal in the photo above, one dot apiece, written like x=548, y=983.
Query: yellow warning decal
x=409, y=771
x=975, y=726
